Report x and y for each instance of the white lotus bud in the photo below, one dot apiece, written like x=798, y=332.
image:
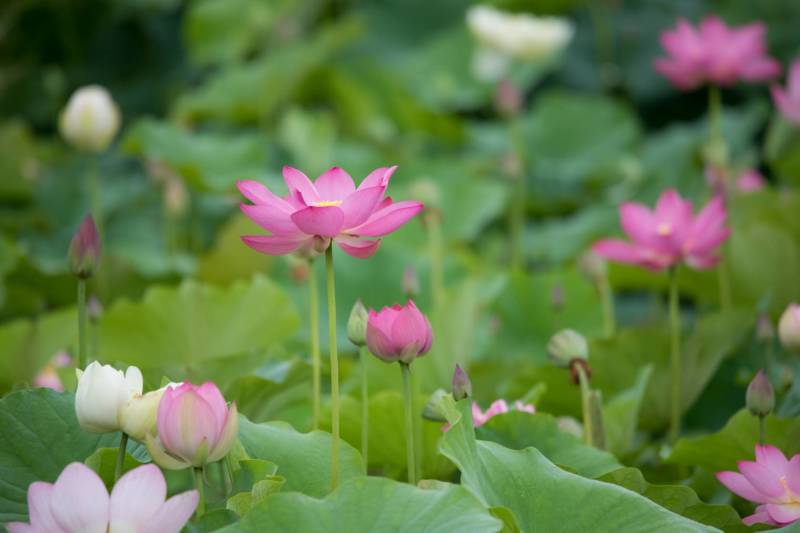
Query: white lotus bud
x=138, y=415
x=102, y=391
x=90, y=120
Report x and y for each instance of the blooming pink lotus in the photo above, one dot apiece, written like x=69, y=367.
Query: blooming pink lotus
x=788, y=100
x=78, y=502
x=771, y=481
x=715, y=53
x=331, y=208
x=668, y=235
x=399, y=333
x=195, y=426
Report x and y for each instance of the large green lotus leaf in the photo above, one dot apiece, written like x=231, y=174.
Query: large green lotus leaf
x=538, y=492
x=39, y=436
x=230, y=259
x=194, y=322
x=517, y=430
x=621, y=414
x=679, y=499
x=207, y=160
x=736, y=442
x=616, y=362
x=304, y=459
x=377, y=505
x=27, y=345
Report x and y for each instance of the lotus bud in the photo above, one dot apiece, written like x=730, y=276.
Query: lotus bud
x=195, y=427
x=593, y=267
x=410, y=282
x=760, y=396
x=462, y=386
x=102, y=391
x=138, y=414
x=357, y=324
x=84, y=250
x=789, y=327
x=566, y=346
x=399, y=333
x=94, y=309
x=90, y=120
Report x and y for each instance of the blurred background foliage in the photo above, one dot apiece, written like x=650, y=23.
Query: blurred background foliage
x=214, y=91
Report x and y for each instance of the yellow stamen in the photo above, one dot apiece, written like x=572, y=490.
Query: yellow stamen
x=328, y=203
x=664, y=229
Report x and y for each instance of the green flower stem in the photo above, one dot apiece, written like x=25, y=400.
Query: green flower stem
x=200, y=486
x=596, y=416
x=82, y=323
x=123, y=446
x=723, y=277
x=313, y=296
x=518, y=196
x=95, y=198
x=675, y=358
x=761, y=430
x=586, y=406
x=334, y=368
x=436, y=243
x=411, y=464
x=717, y=142
x=362, y=359
x=607, y=297
x=714, y=113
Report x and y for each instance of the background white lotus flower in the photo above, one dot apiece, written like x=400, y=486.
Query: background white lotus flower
x=102, y=392
x=90, y=120
x=520, y=36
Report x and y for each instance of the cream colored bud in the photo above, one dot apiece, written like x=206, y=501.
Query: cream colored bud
x=90, y=120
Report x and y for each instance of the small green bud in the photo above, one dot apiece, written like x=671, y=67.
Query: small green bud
x=357, y=324
x=462, y=386
x=760, y=396
x=593, y=267
x=789, y=327
x=566, y=346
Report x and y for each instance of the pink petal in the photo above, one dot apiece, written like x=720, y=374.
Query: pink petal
x=39, y=497
x=184, y=423
x=297, y=182
x=136, y=497
x=226, y=436
x=274, y=220
x=638, y=223
x=275, y=244
x=360, y=205
x=738, y=484
x=22, y=527
x=323, y=221
x=675, y=212
x=785, y=513
x=763, y=480
x=761, y=516
x=772, y=458
x=793, y=80
x=618, y=250
x=793, y=474
x=334, y=184
x=358, y=248
x=259, y=194
x=173, y=514
x=211, y=394
x=79, y=500
x=388, y=219
x=524, y=407
x=410, y=330
x=378, y=177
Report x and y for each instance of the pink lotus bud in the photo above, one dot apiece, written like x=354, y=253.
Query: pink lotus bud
x=760, y=396
x=94, y=308
x=787, y=100
x=195, y=427
x=84, y=250
x=789, y=327
x=48, y=378
x=750, y=181
x=410, y=282
x=462, y=386
x=399, y=333
x=507, y=98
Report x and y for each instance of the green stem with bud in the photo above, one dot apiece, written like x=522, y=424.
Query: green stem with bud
x=586, y=405
x=199, y=484
x=717, y=141
x=82, y=323
x=123, y=447
x=675, y=357
x=607, y=298
x=761, y=429
x=362, y=359
x=313, y=297
x=334, y=367
x=411, y=463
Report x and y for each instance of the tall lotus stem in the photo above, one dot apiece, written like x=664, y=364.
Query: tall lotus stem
x=411, y=463
x=607, y=298
x=675, y=359
x=82, y=337
x=315, y=356
x=200, y=486
x=123, y=445
x=362, y=360
x=519, y=195
x=717, y=157
x=586, y=406
x=334, y=367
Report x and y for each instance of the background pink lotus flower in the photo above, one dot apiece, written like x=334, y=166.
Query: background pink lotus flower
x=479, y=417
x=787, y=100
x=715, y=53
x=78, y=502
x=195, y=426
x=48, y=376
x=771, y=481
x=330, y=208
x=749, y=181
x=668, y=235
x=399, y=333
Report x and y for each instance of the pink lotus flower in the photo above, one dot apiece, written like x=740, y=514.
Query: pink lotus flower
x=398, y=333
x=788, y=100
x=331, y=208
x=479, y=418
x=78, y=502
x=771, y=481
x=715, y=53
x=668, y=235
x=195, y=427
x=746, y=181
x=749, y=181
